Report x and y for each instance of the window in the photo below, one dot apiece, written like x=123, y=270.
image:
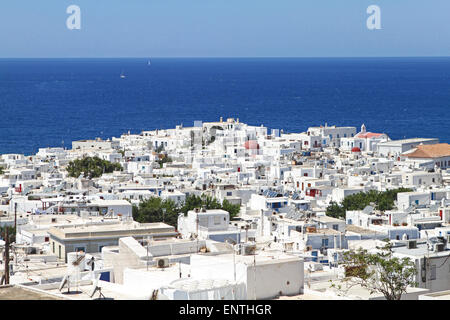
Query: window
x=433, y=272
x=324, y=242
x=229, y=194
x=335, y=227
x=203, y=222
x=53, y=249
x=59, y=251
x=216, y=220
x=78, y=249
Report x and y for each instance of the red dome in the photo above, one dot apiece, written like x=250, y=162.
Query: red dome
x=251, y=144
x=356, y=149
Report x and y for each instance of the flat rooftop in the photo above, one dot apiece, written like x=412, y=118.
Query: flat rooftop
x=123, y=229
x=49, y=219
x=360, y=230
x=325, y=231
x=12, y=292
x=327, y=219
x=421, y=250
x=440, y=295
x=410, y=140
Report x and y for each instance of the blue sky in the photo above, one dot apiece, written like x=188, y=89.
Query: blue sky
x=224, y=28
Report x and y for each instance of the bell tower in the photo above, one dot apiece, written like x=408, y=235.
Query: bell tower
x=363, y=128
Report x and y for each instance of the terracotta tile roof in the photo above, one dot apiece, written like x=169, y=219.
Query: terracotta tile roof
x=437, y=150
x=369, y=135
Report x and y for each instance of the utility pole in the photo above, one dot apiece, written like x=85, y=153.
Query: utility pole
x=6, y=256
x=148, y=239
x=254, y=270
x=197, y=221
x=234, y=262
x=15, y=217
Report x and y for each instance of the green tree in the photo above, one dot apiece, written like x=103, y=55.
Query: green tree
x=378, y=272
x=335, y=210
x=209, y=202
x=383, y=201
x=191, y=202
x=91, y=167
x=152, y=210
x=232, y=209
x=11, y=233
x=164, y=160
x=159, y=149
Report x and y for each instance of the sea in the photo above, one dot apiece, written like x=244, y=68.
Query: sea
x=51, y=102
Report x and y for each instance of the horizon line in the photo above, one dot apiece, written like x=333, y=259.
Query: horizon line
x=228, y=57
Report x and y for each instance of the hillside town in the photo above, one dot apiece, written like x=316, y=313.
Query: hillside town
x=224, y=210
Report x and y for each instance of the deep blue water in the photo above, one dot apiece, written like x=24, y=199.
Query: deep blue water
x=45, y=102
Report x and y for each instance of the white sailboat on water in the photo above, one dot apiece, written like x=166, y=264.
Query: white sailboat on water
x=122, y=75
